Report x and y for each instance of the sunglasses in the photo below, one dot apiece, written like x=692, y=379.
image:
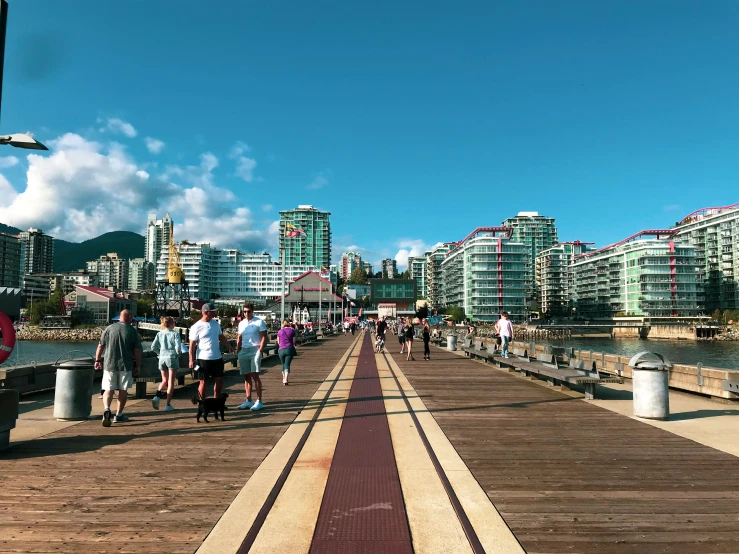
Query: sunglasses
x=248, y=311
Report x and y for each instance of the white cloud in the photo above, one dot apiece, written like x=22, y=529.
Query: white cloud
x=8, y=161
x=118, y=126
x=268, y=208
x=411, y=248
x=245, y=168
x=86, y=188
x=319, y=182
x=238, y=149
x=155, y=146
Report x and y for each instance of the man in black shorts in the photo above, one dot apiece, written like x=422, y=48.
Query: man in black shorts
x=207, y=337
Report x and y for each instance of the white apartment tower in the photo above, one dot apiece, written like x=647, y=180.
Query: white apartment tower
x=157, y=236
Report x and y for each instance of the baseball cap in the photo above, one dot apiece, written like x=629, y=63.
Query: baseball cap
x=206, y=308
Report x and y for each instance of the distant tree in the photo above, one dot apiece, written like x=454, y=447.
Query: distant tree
x=717, y=315
x=42, y=308
x=144, y=306
x=357, y=277
x=457, y=313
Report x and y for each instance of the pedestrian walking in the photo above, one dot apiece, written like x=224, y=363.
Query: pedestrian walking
x=400, y=325
x=505, y=330
x=409, y=339
x=206, y=339
x=286, y=349
x=250, y=343
x=353, y=327
x=121, y=347
x=168, y=347
x=381, y=328
x=426, y=334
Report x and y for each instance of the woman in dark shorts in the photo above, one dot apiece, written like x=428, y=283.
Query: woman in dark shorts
x=409, y=339
x=401, y=335
x=426, y=339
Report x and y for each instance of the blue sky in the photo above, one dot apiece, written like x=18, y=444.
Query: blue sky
x=412, y=122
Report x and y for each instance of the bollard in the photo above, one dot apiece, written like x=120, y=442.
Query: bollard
x=650, y=386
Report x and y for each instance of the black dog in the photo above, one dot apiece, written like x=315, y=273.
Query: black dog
x=214, y=405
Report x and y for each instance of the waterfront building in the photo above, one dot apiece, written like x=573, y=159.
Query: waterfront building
x=389, y=268
x=357, y=292
x=313, y=248
x=232, y=276
x=111, y=271
x=11, y=272
x=417, y=272
x=538, y=233
x=553, y=276
x=349, y=262
x=38, y=252
x=157, y=236
x=70, y=279
x=98, y=306
x=434, y=258
x=485, y=273
x=647, y=274
x=35, y=288
x=714, y=233
x=11, y=301
x=368, y=269
x=142, y=274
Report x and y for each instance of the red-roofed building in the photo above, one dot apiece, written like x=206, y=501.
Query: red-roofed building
x=98, y=306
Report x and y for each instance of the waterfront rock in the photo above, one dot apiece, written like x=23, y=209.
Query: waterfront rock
x=34, y=333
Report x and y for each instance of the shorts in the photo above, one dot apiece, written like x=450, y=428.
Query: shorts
x=169, y=362
x=208, y=369
x=401, y=339
x=250, y=361
x=117, y=380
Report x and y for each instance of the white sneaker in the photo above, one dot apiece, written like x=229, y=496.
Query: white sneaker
x=245, y=406
x=169, y=408
x=257, y=406
x=155, y=402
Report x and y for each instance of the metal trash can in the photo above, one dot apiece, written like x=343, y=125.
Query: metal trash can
x=451, y=342
x=650, y=383
x=73, y=392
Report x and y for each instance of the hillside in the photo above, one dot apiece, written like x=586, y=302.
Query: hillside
x=69, y=256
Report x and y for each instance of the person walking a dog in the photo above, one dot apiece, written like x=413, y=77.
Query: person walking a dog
x=206, y=339
x=250, y=343
x=121, y=345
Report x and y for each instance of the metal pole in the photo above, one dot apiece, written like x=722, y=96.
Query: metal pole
x=282, y=300
x=320, y=294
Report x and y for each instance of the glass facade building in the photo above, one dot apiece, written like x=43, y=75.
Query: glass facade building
x=714, y=233
x=648, y=274
x=554, y=278
x=434, y=275
x=312, y=248
x=10, y=261
x=486, y=274
x=417, y=272
x=38, y=252
x=537, y=233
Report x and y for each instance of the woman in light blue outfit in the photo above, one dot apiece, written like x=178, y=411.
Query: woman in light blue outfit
x=168, y=346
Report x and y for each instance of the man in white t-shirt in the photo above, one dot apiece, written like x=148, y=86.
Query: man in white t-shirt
x=505, y=330
x=206, y=338
x=250, y=343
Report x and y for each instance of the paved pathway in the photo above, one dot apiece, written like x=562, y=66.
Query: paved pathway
x=368, y=453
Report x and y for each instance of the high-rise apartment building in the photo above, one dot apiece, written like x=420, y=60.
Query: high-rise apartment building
x=157, y=236
x=349, y=262
x=229, y=274
x=714, y=233
x=389, y=268
x=11, y=274
x=434, y=258
x=368, y=269
x=417, y=272
x=553, y=276
x=538, y=233
x=142, y=274
x=111, y=271
x=647, y=274
x=38, y=252
x=313, y=248
x=486, y=274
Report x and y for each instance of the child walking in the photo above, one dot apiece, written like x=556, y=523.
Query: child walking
x=168, y=346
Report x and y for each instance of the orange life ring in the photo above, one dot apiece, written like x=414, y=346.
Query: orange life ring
x=6, y=326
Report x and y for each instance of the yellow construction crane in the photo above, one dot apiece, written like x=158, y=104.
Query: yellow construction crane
x=175, y=274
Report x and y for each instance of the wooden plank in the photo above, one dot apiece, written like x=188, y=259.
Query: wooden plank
x=568, y=476
x=156, y=484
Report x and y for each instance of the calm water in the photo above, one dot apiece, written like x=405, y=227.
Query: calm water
x=29, y=351
x=723, y=354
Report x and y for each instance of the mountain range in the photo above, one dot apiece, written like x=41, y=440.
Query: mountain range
x=71, y=256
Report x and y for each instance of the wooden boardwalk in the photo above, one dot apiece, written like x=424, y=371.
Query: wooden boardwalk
x=568, y=476
x=157, y=484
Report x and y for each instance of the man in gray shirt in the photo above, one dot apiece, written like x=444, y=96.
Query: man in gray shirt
x=121, y=345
